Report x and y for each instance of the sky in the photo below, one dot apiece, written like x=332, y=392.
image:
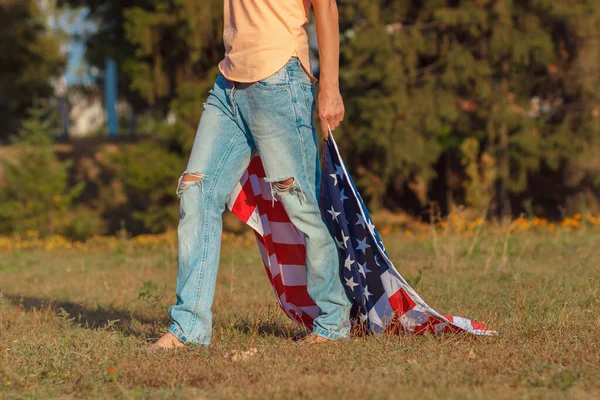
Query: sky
x=76, y=25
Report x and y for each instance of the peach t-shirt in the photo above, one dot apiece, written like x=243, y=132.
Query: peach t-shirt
x=262, y=35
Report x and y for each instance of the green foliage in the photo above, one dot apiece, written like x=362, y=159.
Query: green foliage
x=150, y=173
x=468, y=101
x=481, y=173
x=421, y=77
x=36, y=195
x=30, y=56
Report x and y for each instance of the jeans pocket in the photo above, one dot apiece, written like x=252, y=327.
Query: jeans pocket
x=309, y=97
x=277, y=81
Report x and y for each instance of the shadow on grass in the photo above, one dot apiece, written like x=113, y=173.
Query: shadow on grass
x=140, y=325
x=99, y=318
x=270, y=328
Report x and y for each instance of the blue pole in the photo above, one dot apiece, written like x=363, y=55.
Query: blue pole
x=111, y=93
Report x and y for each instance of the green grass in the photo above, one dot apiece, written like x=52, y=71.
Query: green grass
x=77, y=323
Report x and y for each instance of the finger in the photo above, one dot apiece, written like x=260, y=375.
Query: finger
x=333, y=124
x=325, y=116
x=324, y=129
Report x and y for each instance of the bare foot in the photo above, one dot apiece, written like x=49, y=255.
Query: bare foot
x=167, y=341
x=315, y=339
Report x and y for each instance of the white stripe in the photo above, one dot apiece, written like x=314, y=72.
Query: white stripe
x=275, y=267
x=285, y=233
x=313, y=311
x=437, y=328
x=263, y=253
x=384, y=310
x=462, y=323
x=255, y=182
x=380, y=314
x=375, y=324
x=255, y=222
x=390, y=283
x=287, y=306
x=413, y=318
x=234, y=195
x=293, y=275
x=483, y=333
x=265, y=190
x=266, y=224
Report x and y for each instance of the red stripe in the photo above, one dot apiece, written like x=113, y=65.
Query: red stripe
x=298, y=296
x=401, y=302
x=290, y=254
x=286, y=254
x=427, y=327
x=243, y=207
x=273, y=210
x=256, y=167
x=451, y=329
x=307, y=320
x=479, y=326
x=278, y=285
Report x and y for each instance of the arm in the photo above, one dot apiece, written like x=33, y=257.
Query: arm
x=330, y=103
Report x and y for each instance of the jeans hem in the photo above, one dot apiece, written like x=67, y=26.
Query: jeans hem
x=174, y=329
x=330, y=334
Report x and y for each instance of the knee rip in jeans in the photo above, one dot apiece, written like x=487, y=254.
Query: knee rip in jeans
x=283, y=187
x=189, y=179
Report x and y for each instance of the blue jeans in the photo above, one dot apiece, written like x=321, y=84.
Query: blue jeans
x=275, y=117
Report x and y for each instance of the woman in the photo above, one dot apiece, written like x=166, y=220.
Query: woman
x=263, y=101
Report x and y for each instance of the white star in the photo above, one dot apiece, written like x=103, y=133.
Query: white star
x=362, y=245
x=371, y=226
x=362, y=268
x=339, y=171
x=363, y=317
x=348, y=263
x=367, y=294
x=334, y=214
x=361, y=221
x=343, y=197
x=345, y=239
x=377, y=262
x=350, y=283
x=341, y=245
x=334, y=176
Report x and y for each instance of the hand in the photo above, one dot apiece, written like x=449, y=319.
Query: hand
x=331, y=108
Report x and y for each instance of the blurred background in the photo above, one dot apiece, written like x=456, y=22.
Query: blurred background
x=491, y=106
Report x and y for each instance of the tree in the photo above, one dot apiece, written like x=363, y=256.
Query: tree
x=169, y=53
x=422, y=77
x=36, y=195
x=30, y=57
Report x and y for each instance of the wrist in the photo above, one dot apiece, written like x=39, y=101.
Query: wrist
x=329, y=84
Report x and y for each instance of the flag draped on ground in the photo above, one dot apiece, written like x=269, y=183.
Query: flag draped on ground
x=383, y=300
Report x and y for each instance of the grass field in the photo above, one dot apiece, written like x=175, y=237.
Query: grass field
x=76, y=323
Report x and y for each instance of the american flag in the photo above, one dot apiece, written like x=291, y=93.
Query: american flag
x=383, y=302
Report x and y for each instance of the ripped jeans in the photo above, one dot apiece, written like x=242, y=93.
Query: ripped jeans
x=274, y=117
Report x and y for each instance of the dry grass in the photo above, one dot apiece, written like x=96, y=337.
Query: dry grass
x=75, y=323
